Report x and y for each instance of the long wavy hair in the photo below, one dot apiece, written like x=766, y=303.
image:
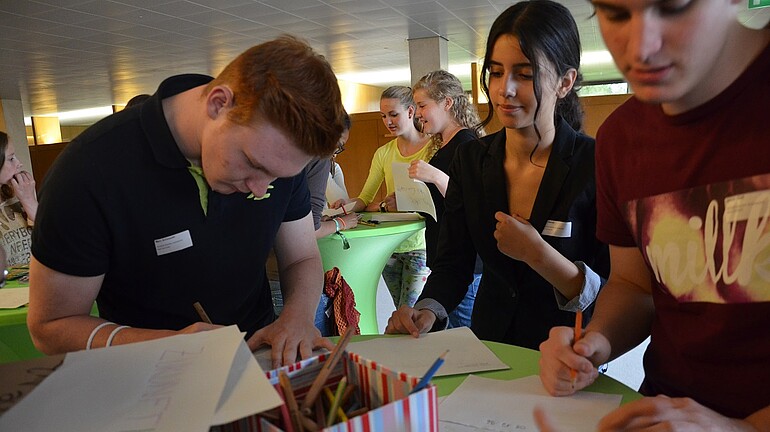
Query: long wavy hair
x=440, y=85
x=546, y=31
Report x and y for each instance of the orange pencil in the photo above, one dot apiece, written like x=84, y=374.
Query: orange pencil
x=578, y=334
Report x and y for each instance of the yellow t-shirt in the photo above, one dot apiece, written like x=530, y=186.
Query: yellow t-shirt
x=381, y=169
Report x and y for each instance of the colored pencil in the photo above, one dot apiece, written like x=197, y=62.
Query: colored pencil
x=202, y=313
x=429, y=374
x=578, y=335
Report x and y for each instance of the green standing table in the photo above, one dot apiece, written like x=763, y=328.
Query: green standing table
x=15, y=342
x=362, y=264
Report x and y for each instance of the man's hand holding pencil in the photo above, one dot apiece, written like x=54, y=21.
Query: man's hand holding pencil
x=566, y=365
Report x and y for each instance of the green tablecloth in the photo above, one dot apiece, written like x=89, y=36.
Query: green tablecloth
x=15, y=342
x=362, y=264
x=523, y=362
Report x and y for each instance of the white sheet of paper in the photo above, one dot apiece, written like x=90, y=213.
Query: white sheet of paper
x=12, y=298
x=263, y=356
x=415, y=356
x=395, y=217
x=247, y=391
x=168, y=384
x=411, y=194
x=334, y=212
x=484, y=404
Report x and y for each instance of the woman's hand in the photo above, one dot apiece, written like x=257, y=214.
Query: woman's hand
x=339, y=203
x=390, y=203
x=23, y=185
x=421, y=170
x=516, y=238
x=408, y=320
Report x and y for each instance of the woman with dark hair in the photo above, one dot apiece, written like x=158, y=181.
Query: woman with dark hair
x=523, y=198
x=18, y=205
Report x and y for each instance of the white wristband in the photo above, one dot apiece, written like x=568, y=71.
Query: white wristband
x=94, y=331
x=114, y=332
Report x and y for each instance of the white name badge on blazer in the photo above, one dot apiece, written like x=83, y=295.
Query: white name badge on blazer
x=173, y=243
x=557, y=229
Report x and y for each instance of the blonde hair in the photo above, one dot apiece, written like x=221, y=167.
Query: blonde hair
x=440, y=85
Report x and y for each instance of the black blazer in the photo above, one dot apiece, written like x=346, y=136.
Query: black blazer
x=514, y=304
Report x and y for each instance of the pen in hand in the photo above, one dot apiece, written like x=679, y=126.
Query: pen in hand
x=578, y=334
x=202, y=313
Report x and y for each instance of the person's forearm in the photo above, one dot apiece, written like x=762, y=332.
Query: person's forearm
x=72, y=333
x=359, y=205
x=326, y=228
x=301, y=284
x=760, y=420
x=560, y=272
x=30, y=208
x=623, y=314
x=442, y=182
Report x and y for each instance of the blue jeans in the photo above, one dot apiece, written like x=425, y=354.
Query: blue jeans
x=322, y=322
x=461, y=316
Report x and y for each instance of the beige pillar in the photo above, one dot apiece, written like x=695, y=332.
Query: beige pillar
x=427, y=55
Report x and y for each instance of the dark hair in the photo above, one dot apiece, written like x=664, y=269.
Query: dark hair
x=136, y=100
x=6, y=191
x=3, y=146
x=286, y=83
x=545, y=30
x=346, y=121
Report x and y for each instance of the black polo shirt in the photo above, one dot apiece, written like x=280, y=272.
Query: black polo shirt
x=120, y=201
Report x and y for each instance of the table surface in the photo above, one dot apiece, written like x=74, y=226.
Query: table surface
x=523, y=362
x=382, y=229
x=14, y=316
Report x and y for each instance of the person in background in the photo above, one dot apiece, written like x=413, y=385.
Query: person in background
x=406, y=271
x=318, y=175
x=220, y=163
x=18, y=205
x=335, y=186
x=683, y=184
x=523, y=198
x=448, y=115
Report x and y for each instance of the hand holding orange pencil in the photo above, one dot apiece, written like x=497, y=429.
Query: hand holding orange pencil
x=578, y=334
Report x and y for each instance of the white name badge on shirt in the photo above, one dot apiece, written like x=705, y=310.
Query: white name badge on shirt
x=173, y=243
x=557, y=229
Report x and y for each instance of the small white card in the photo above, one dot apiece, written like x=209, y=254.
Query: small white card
x=173, y=243
x=411, y=194
x=557, y=229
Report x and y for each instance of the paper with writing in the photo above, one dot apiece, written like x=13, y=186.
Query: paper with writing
x=167, y=384
x=414, y=356
x=330, y=212
x=483, y=404
x=411, y=194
